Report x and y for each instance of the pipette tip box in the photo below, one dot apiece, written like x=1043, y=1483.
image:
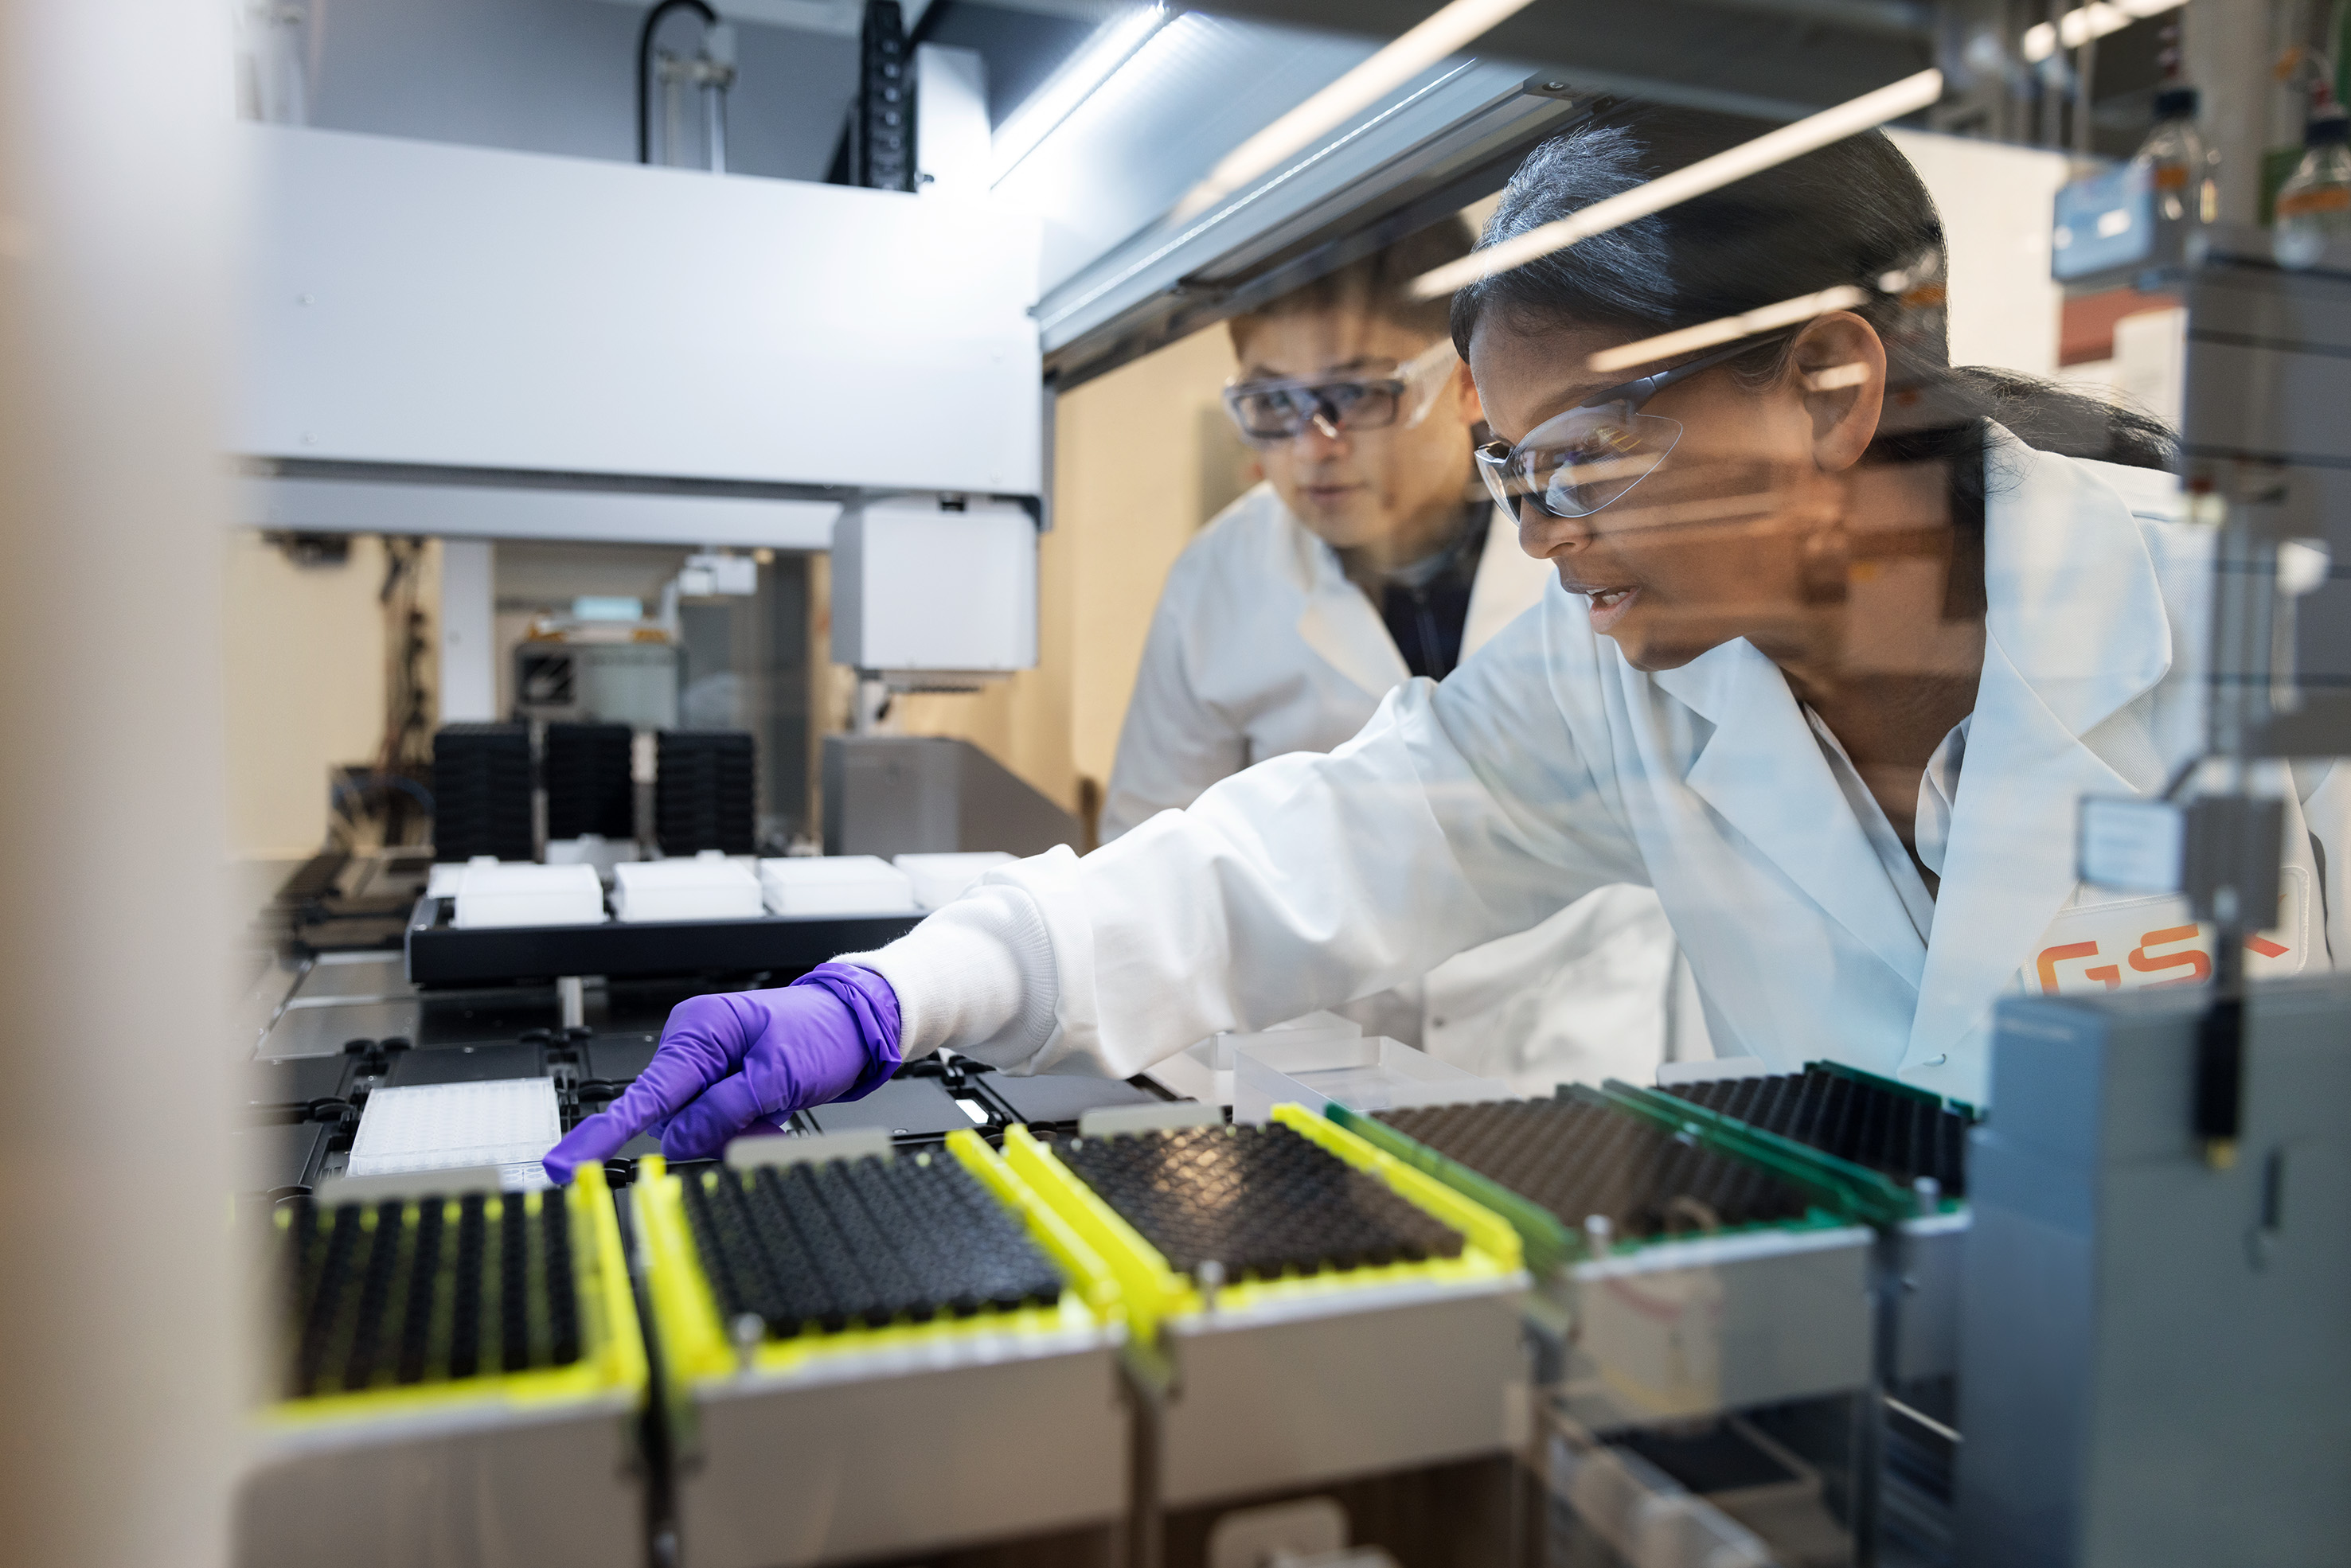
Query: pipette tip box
x=453, y=1373
x=820, y=1302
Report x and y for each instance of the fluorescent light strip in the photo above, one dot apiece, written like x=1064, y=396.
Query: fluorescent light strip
x=1185, y=235
x=1730, y=328
x=2095, y=20
x=1450, y=28
x=1098, y=59
x=1838, y=377
x=1773, y=148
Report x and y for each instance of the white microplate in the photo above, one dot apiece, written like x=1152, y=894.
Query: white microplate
x=705, y=887
x=941, y=879
x=836, y=885
x=507, y=1123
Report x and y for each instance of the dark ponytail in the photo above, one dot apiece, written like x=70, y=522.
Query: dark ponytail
x=1852, y=212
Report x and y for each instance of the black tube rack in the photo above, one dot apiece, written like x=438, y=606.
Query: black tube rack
x=864, y=1242
x=1579, y=1159
x=427, y=1291
x=1879, y=1126
x=1260, y=1201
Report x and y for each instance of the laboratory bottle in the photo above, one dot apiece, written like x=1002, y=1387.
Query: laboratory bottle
x=2313, y=206
x=2179, y=169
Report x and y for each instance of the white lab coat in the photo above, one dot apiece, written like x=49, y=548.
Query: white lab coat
x=1547, y=766
x=1261, y=647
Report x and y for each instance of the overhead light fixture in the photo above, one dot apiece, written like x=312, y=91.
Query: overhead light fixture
x=1443, y=32
x=1730, y=328
x=2095, y=20
x=1098, y=59
x=1768, y=151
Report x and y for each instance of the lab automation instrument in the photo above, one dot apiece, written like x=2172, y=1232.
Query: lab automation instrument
x=1793, y=1318
x=416, y=367
x=1739, y=1319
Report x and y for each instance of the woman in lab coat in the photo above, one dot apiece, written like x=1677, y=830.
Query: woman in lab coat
x=1847, y=640
x=1358, y=564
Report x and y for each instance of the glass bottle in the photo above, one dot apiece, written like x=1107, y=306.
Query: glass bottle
x=2178, y=170
x=2313, y=205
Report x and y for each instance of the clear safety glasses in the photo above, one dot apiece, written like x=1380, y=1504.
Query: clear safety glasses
x=1271, y=412
x=1580, y=461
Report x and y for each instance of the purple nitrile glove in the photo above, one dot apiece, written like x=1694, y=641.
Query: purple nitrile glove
x=736, y=1058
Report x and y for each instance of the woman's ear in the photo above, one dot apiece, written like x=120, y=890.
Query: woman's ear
x=1840, y=369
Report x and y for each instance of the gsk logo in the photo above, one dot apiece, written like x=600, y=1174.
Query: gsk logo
x=2181, y=965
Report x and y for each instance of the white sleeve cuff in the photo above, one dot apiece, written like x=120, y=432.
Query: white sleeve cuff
x=978, y=977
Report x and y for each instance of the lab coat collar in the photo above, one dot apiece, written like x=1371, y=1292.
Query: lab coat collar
x=1763, y=771
x=2076, y=631
x=1338, y=623
x=2073, y=592
x=1344, y=628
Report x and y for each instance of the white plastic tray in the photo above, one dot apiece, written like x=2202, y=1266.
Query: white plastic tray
x=941, y=879
x=1363, y=1073
x=499, y=894
x=1204, y=1070
x=836, y=884
x=710, y=887
x=509, y=1123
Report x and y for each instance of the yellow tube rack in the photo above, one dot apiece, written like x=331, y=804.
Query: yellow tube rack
x=1154, y=1292
x=691, y=1331
x=612, y=1350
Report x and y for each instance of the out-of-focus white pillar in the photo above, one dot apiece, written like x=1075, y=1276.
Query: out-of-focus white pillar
x=469, y=676
x=120, y=1354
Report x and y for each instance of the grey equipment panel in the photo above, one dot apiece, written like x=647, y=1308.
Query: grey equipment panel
x=903, y=1107
x=465, y=1064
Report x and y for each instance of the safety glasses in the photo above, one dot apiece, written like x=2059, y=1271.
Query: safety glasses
x=1275, y=411
x=1578, y=462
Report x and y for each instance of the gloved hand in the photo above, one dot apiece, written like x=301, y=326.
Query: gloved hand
x=736, y=1058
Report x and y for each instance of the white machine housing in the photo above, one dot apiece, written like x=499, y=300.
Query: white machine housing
x=497, y=344
x=927, y=598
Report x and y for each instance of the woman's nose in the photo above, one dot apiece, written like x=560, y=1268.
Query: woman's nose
x=1544, y=534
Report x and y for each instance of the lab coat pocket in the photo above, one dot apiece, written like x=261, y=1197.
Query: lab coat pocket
x=2135, y=944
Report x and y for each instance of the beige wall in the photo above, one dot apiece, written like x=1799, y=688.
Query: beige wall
x=1143, y=457
x=303, y=663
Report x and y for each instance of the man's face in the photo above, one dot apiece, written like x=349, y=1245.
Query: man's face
x=1358, y=487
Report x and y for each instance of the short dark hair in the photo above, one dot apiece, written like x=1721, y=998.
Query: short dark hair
x=1379, y=284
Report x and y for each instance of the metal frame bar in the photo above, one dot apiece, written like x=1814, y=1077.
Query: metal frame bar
x=1453, y=139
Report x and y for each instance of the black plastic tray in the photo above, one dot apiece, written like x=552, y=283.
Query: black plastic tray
x=783, y=945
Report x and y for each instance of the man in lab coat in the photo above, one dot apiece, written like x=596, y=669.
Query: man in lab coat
x=1368, y=556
